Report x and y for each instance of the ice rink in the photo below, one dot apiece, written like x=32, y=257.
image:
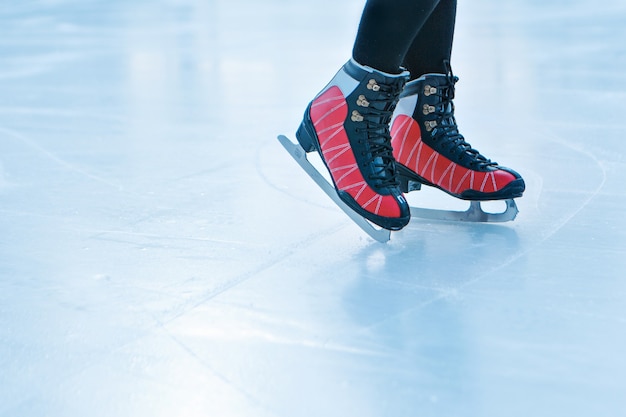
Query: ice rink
x=162, y=255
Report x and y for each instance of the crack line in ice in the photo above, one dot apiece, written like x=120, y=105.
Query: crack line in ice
x=32, y=144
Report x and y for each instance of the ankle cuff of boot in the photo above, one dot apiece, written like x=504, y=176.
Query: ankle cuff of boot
x=355, y=64
x=415, y=86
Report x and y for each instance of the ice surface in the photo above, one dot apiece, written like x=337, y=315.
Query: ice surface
x=162, y=255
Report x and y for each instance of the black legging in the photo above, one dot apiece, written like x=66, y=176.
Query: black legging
x=414, y=34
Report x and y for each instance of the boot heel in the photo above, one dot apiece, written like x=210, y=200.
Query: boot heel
x=305, y=137
x=407, y=185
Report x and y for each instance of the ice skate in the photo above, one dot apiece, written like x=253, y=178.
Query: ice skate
x=430, y=150
x=348, y=125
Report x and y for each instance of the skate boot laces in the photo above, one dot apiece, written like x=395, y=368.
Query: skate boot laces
x=375, y=112
x=444, y=128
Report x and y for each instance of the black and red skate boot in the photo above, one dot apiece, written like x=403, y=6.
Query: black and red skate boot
x=348, y=125
x=430, y=150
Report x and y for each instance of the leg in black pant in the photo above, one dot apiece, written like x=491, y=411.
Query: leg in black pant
x=432, y=45
x=387, y=30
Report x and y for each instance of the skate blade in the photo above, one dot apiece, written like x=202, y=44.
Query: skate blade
x=474, y=213
x=296, y=151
